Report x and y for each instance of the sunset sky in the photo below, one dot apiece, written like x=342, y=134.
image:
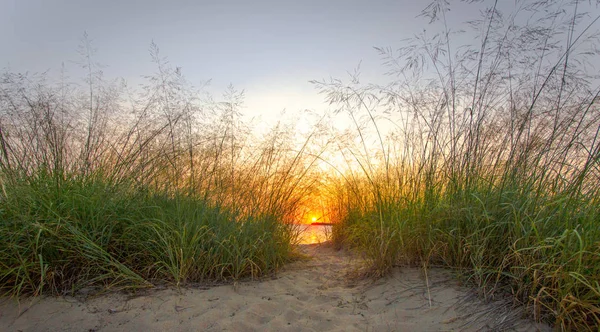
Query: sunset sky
x=271, y=49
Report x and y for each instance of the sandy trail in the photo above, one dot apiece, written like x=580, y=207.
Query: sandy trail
x=310, y=295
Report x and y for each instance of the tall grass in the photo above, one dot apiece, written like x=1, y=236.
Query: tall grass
x=105, y=187
x=492, y=163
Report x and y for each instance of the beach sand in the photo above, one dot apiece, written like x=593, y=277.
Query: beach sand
x=309, y=295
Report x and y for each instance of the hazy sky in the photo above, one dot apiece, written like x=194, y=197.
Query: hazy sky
x=268, y=48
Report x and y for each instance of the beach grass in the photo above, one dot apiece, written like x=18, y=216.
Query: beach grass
x=491, y=166
x=90, y=233
x=107, y=189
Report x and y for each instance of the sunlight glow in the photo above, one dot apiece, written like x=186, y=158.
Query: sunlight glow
x=310, y=234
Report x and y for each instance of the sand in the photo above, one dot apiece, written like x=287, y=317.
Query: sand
x=308, y=295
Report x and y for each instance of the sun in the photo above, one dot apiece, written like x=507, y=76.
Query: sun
x=313, y=219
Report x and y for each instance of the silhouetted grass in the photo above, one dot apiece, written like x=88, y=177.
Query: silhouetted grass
x=492, y=164
x=102, y=187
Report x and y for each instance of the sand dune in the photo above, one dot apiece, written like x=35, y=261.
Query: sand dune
x=310, y=295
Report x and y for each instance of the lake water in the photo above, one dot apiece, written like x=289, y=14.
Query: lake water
x=310, y=234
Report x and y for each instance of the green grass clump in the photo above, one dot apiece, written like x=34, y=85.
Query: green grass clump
x=59, y=237
x=491, y=165
x=110, y=188
x=545, y=251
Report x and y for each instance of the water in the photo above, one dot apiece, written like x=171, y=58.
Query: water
x=310, y=234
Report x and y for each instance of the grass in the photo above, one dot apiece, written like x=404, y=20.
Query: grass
x=542, y=250
x=112, y=189
x=56, y=240
x=90, y=233
x=491, y=167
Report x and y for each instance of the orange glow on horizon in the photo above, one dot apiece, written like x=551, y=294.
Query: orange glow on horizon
x=312, y=210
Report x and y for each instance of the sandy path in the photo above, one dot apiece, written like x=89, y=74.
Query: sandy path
x=311, y=295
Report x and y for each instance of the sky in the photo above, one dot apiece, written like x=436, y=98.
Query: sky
x=270, y=49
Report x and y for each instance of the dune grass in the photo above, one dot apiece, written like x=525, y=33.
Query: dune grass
x=109, y=189
x=90, y=233
x=491, y=166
